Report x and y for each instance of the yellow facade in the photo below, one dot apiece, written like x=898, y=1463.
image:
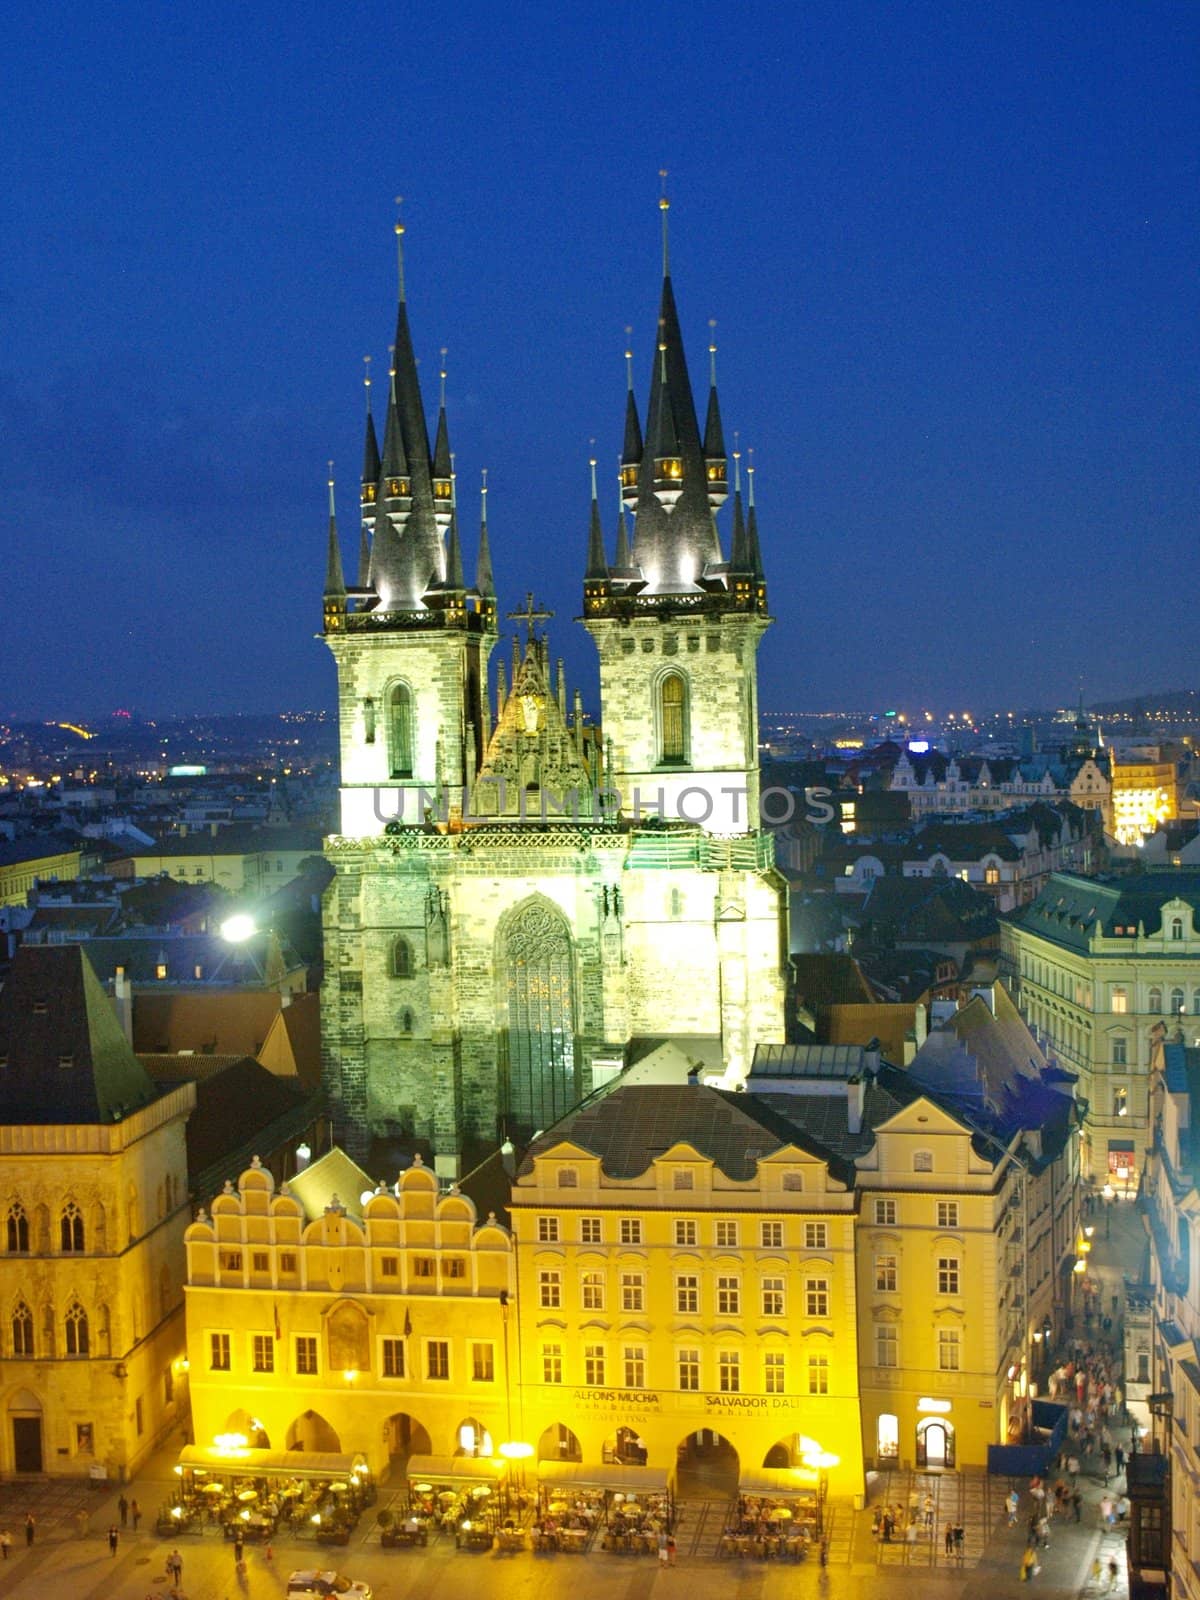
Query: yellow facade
x=1144, y=796
x=660, y=1309
x=90, y=1282
x=18, y=877
x=382, y=1327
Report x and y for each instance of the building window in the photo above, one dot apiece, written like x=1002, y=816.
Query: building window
x=1177, y=1002
x=1120, y=1102
x=263, y=1352
x=589, y=1230
x=402, y=965
x=231, y=1261
x=1119, y=1002
x=947, y=1213
x=306, y=1356
x=261, y=1261
x=816, y=1297
x=547, y=1230
x=437, y=1360
x=729, y=1297
x=22, y=1330
x=947, y=1275
x=568, y=1178
x=218, y=1352
x=688, y=1366
x=400, y=731
x=886, y=1274
x=683, y=1179
x=1177, y=927
x=287, y=1263
x=816, y=1236
x=483, y=1363
x=991, y=875
x=1154, y=1002
x=18, y=1229
x=685, y=1231
x=393, y=1358
x=887, y=1345
x=424, y=1267
x=1120, y=1052
x=947, y=1350
x=389, y=1266
x=727, y=1235
x=635, y=1366
x=591, y=1291
x=922, y=1161
x=818, y=1374
x=672, y=719
x=1196, y=1002
x=687, y=1294
x=774, y=1372
x=770, y=1235
x=631, y=1230
x=552, y=1369
x=139, y=1417
x=71, y=1229
x=729, y=1372
x=454, y=1267
x=885, y=1213
x=772, y=1297
x=76, y=1329
x=593, y=1365
x=633, y=1291
x=550, y=1290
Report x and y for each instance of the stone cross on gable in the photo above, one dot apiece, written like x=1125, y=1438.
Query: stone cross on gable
x=531, y=613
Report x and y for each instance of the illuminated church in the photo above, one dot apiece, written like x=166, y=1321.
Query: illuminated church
x=525, y=902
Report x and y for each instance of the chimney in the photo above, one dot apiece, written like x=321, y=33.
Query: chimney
x=508, y=1158
x=123, y=1003
x=855, y=1095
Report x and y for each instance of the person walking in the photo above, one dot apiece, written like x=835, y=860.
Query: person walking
x=135, y=1514
x=949, y=1539
x=238, y=1547
x=1113, y=1574
x=5, y=1544
x=1076, y=1503
x=1013, y=1502
x=114, y=1538
x=123, y=1511
x=175, y=1567
x=30, y=1529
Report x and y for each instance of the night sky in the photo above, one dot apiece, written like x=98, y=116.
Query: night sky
x=951, y=251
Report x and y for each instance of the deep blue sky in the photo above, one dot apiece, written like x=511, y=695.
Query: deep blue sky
x=951, y=250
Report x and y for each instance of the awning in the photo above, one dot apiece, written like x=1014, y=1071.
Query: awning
x=612, y=1475
x=784, y=1483
x=270, y=1463
x=455, y=1469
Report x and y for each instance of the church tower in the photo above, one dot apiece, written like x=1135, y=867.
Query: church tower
x=410, y=638
x=676, y=624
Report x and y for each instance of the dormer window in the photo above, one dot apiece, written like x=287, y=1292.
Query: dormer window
x=568, y=1178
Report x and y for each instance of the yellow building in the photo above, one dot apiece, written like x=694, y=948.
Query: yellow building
x=55, y=858
x=1144, y=796
x=95, y=1205
x=376, y=1321
x=687, y=1293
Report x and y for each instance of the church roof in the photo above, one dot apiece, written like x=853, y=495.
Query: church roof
x=531, y=753
x=65, y=1057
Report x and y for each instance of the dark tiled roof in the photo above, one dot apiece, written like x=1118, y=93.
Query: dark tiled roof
x=237, y=1104
x=1072, y=910
x=67, y=1060
x=36, y=846
x=830, y=980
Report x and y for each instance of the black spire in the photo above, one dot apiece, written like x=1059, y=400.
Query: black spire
x=597, y=567
x=739, y=554
x=454, y=566
x=335, y=582
x=394, y=466
x=364, y=556
x=631, y=454
x=752, y=545
x=484, y=581
x=370, y=472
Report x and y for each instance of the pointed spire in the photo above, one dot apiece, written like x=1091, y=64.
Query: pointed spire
x=370, y=472
x=624, y=559
x=739, y=554
x=335, y=583
x=752, y=546
x=364, y=557
x=597, y=566
x=442, y=462
x=715, y=466
x=454, y=565
x=484, y=580
x=664, y=441
x=631, y=454
x=394, y=467
x=664, y=206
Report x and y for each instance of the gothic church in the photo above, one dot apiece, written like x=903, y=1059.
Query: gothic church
x=523, y=900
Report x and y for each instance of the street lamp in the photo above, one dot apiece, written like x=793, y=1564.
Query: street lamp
x=238, y=928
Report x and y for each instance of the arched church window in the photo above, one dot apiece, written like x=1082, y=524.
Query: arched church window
x=536, y=969
x=22, y=1330
x=71, y=1229
x=76, y=1330
x=1154, y=1002
x=402, y=963
x=18, y=1229
x=1177, y=927
x=672, y=718
x=1177, y=1002
x=400, y=731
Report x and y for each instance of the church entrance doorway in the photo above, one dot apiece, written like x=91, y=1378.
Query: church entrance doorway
x=27, y=1444
x=935, y=1443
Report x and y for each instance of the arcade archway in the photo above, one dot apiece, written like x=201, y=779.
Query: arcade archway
x=250, y=1428
x=558, y=1443
x=471, y=1438
x=707, y=1467
x=405, y=1437
x=310, y=1432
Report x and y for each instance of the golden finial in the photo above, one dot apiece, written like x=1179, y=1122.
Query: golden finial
x=399, y=231
x=629, y=355
x=712, y=351
x=664, y=205
x=442, y=375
